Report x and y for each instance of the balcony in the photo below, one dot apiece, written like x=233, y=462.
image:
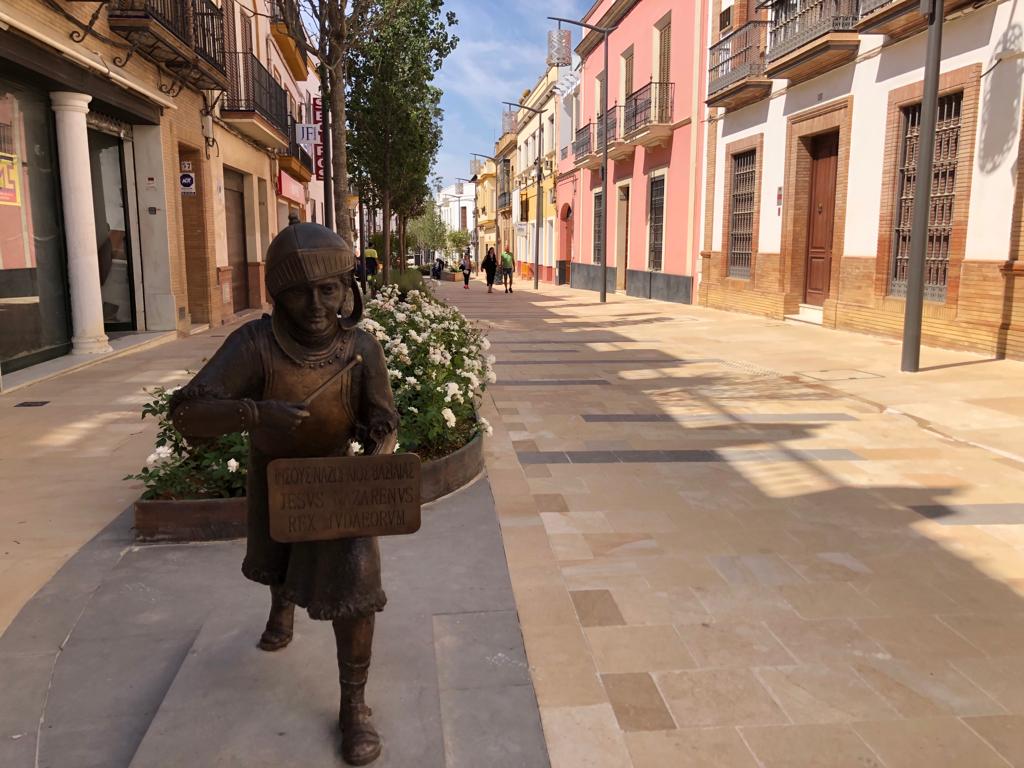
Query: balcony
x=504, y=200
x=286, y=28
x=583, y=143
x=184, y=37
x=647, y=115
x=255, y=104
x=736, y=75
x=898, y=18
x=295, y=160
x=810, y=37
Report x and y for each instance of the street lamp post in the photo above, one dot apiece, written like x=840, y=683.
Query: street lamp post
x=911, y=355
x=605, y=31
x=539, y=168
x=497, y=230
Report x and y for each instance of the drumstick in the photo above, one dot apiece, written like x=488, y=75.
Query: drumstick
x=354, y=361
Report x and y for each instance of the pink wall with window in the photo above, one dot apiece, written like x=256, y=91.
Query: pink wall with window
x=679, y=130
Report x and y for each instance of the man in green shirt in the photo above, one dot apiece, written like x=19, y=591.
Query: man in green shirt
x=508, y=266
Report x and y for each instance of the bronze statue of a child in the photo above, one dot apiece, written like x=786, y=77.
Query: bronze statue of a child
x=258, y=382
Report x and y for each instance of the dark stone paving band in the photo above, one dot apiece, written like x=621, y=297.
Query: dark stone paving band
x=683, y=456
x=683, y=418
x=973, y=514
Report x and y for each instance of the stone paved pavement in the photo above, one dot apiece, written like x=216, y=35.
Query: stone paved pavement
x=145, y=656
x=735, y=542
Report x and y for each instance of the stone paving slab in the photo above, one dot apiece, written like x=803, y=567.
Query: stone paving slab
x=735, y=564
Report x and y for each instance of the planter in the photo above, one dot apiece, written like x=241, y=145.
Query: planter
x=190, y=520
x=218, y=519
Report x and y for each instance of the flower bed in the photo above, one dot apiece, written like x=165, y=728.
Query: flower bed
x=439, y=369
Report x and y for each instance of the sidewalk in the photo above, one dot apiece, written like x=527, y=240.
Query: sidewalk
x=737, y=542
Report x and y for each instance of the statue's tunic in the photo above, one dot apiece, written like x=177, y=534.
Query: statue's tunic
x=331, y=579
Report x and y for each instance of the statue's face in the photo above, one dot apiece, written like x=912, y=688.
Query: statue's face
x=313, y=308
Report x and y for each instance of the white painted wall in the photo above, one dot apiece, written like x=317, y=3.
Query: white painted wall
x=976, y=37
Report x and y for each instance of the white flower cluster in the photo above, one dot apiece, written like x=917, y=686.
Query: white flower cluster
x=437, y=363
x=162, y=453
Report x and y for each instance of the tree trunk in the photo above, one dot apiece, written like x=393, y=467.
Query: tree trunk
x=401, y=240
x=386, y=245
x=339, y=157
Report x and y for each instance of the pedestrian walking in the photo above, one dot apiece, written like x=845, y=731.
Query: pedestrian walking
x=467, y=269
x=508, y=265
x=490, y=265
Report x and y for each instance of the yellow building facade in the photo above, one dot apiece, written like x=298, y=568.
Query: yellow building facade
x=536, y=145
x=486, y=206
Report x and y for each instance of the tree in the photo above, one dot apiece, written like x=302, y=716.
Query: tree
x=427, y=231
x=332, y=29
x=458, y=240
x=395, y=116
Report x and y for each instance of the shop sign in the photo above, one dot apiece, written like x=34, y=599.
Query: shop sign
x=307, y=134
x=10, y=191
x=318, y=110
x=318, y=161
x=289, y=188
x=187, y=183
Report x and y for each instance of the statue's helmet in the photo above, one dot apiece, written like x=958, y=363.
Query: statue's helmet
x=303, y=252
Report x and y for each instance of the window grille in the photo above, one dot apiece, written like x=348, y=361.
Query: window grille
x=598, y=227
x=940, y=210
x=656, y=236
x=741, y=213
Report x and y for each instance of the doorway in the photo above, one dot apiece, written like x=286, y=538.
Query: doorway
x=113, y=239
x=824, y=151
x=234, y=222
x=622, y=237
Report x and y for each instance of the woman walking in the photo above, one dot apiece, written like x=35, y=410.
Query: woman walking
x=467, y=268
x=490, y=265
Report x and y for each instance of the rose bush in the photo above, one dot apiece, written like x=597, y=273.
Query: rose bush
x=439, y=367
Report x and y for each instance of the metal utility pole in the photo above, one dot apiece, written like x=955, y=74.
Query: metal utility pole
x=604, y=31
x=539, y=167
x=911, y=356
x=497, y=229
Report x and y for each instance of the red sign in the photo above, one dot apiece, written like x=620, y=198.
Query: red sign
x=318, y=110
x=290, y=188
x=318, y=161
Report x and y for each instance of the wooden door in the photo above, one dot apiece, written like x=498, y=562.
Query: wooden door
x=234, y=221
x=820, y=216
x=622, y=239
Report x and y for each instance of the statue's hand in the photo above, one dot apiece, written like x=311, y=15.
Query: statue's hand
x=281, y=416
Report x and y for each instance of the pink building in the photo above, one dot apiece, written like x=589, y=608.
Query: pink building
x=655, y=136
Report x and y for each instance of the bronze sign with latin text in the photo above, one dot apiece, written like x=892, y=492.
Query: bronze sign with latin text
x=344, y=497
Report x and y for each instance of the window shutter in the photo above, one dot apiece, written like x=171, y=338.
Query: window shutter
x=628, y=66
x=664, y=53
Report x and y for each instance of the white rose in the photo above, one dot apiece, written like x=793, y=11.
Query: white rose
x=232, y=466
x=355, y=448
x=449, y=417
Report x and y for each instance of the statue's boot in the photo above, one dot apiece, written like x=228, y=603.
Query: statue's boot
x=360, y=742
x=278, y=632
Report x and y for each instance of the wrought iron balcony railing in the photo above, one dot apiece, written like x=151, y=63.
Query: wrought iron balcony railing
x=869, y=6
x=564, y=153
x=609, y=126
x=797, y=22
x=295, y=149
x=253, y=89
x=199, y=24
x=504, y=199
x=583, y=143
x=738, y=55
x=649, y=105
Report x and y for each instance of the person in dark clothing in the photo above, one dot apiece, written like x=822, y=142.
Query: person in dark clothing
x=467, y=268
x=490, y=265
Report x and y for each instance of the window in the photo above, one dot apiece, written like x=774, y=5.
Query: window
x=462, y=218
x=524, y=209
x=598, y=227
x=940, y=210
x=627, y=76
x=741, y=213
x=656, y=234
x=664, y=53
x=725, y=20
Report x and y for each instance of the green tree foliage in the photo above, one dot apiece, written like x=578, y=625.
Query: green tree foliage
x=458, y=240
x=394, y=109
x=427, y=231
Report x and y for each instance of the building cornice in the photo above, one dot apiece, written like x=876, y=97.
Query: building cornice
x=613, y=16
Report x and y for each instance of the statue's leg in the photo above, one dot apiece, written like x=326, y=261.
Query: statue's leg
x=360, y=743
x=278, y=632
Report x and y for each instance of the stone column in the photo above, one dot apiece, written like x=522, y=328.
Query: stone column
x=79, y=225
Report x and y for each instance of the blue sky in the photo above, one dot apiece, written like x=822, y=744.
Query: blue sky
x=502, y=50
